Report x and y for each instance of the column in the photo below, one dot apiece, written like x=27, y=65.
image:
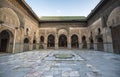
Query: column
x=14, y=42
x=56, y=41
x=108, y=45
x=69, y=41
x=45, y=41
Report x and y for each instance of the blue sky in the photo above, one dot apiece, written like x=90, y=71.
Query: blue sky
x=62, y=7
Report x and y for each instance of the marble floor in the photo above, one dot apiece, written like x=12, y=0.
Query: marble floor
x=43, y=63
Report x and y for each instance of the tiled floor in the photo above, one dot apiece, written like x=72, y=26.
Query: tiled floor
x=43, y=63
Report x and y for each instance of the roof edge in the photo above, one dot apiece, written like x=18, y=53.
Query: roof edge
x=63, y=18
x=62, y=21
x=30, y=9
x=102, y=2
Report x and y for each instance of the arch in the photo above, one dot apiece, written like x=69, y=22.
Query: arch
x=91, y=41
x=26, y=44
x=42, y=39
x=62, y=31
x=51, y=41
x=34, y=41
x=41, y=46
x=74, y=41
x=100, y=46
x=26, y=40
x=114, y=23
x=62, y=41
x=100, y=40
x=9, y=16
x=34, y=44
x=99, y=31
x=116, y=39
x=84, y=42
x=114, y=17
x=6, y=41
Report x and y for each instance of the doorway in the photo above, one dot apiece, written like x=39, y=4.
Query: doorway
x=100, y=46
x=4, y=41
x=116, y=38
x=51, y=41
x=84, y=42
x=62, y=41
x=74, y=41
x=26, y=44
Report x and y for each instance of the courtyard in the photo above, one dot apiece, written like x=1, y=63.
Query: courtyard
x=43, y=63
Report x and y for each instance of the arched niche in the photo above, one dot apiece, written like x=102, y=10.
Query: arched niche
x=84, y=42
x=41, y=39
x=9, y=17
x=62, y=31
x=26, y=44
x=34, y=44
x=114, y=17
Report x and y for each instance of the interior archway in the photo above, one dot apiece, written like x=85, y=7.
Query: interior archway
x=6, y=41
x=9, y=16
x=114, y=23
x=51, y=41
x=62, y=41
x=74, y=41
